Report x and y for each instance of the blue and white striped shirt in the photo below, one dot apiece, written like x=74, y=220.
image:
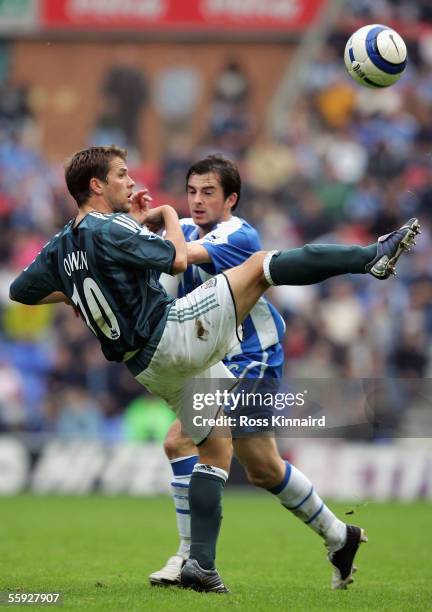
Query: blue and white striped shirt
x=229, y=244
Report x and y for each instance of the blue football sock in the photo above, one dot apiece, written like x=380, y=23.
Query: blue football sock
x=298, y=495
x=182, y=470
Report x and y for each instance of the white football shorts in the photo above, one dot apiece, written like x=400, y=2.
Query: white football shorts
x=200, y=330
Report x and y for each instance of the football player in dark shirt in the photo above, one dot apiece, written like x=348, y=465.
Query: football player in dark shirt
x=106, y=263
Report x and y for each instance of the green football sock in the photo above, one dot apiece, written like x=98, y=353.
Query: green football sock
x=205, y=494
x=314, y=263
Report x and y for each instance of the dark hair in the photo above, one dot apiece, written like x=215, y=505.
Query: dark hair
x=86, y=164
x=226, y=170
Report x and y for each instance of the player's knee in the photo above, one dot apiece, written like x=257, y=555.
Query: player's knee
x=259, y=479
x=176, y=445
x=171, y=449
x=264, y=475
x=217, y=452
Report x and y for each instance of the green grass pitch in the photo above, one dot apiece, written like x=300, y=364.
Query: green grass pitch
x=98, y=551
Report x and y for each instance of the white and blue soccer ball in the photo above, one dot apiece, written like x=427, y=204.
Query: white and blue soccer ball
x=375, y=56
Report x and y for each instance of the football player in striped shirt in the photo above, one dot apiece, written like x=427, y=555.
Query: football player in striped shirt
x=218, y=240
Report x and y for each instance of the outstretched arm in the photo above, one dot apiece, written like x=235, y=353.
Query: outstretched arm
x=196, y=253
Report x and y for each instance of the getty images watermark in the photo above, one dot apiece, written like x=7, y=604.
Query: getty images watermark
x=247, y=409
x=364, y=409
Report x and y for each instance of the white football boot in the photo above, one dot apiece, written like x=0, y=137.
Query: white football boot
x=169, y=575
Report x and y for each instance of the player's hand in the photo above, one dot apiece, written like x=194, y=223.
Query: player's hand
x=140, y=203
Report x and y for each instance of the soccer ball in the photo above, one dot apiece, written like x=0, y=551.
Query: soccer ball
x=375, y=56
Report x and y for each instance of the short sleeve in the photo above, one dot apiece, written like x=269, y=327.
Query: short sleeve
x=37, y=280
x=136, y=247
x=228, y=249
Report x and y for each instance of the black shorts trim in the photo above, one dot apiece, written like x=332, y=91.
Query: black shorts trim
x=235, y=307
x=205, y=439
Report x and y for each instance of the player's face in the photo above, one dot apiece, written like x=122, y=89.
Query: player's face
x=207, y=203
x=117, y=190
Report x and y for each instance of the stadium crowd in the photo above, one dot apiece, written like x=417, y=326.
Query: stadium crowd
x=348, y=165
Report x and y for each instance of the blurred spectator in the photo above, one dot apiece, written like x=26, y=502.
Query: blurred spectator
x=14, y=106
x=147, y=419
x=124, y=95
x=410, y=357
x=232, y=125
x=78, y=415
x=12, y=413
x=341, y=313
x=177, y=93
x=320, y=362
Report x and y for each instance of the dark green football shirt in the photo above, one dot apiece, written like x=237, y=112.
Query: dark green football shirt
x=108, y=266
